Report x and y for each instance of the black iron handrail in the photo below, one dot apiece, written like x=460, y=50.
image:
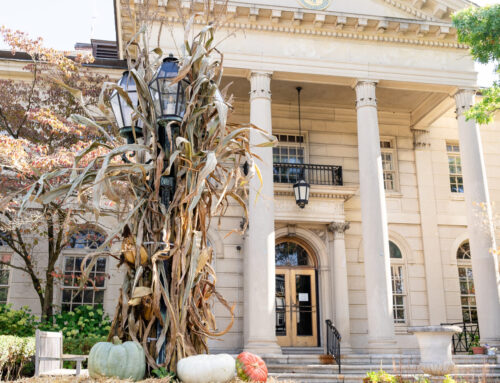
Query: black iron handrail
x=462, y=341
x=313, y=174
x=333, y=340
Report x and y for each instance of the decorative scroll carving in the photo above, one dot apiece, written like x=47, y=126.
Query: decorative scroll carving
x=464, y=99
x=260, y=85
x=365, y=94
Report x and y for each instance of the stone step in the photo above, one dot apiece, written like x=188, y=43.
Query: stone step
x=341, y=378
x=363, y=369
x=366, y=359
x=302, y=350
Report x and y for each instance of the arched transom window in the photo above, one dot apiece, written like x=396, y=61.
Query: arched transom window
x=292, y=254
x=398, y=284
x=81, y=243
x=467, y=291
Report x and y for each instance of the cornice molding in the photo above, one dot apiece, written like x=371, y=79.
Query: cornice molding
x=400, y=37
x=428, y=32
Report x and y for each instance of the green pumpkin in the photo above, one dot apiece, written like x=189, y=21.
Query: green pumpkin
x=117, y=360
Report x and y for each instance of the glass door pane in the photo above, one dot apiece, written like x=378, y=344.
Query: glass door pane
x=281, y=290
x=304, y=305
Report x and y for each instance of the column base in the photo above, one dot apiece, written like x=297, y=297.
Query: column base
x=263, y=347
x=383, y=346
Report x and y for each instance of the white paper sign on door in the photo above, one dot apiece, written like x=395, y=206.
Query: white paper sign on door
x=303, y=297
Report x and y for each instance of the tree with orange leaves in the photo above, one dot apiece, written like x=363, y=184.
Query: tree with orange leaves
x=37, y=137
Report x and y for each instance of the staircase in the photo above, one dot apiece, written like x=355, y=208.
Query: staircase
x=311, y=365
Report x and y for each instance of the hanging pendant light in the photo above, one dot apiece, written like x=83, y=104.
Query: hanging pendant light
x=301, y=188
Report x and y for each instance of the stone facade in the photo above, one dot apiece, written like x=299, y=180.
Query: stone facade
x=372, y=71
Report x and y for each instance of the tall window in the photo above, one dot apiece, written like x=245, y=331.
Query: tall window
x=79, y=245
x=5, y=257
x=398, y=284
x=467, y=292
x=455, y=168
x=288, y=151
x=4, y=277
x=388, y=164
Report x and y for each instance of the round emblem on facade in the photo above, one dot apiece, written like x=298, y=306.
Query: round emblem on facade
x=317, y=5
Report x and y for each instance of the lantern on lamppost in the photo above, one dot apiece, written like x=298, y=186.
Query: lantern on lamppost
x=169, y=101
x=129, y=129
x=301, y=188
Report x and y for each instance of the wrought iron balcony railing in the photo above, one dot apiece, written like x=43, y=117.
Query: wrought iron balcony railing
x=313, y=174
x=463, y=341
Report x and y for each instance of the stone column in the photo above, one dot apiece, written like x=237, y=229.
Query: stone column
x=428, y=223
x=259, y=271
x=381, y=336
x=340, y=303
x=480, y=223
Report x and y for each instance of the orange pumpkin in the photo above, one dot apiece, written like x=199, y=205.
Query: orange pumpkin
x=251, y=367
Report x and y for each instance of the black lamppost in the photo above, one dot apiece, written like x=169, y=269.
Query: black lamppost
x=123, y=111
x=301, y=188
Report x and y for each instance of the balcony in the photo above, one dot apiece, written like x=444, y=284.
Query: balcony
x=326, y=175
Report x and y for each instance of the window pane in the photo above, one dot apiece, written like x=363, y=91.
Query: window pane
x=3, y=294
x=66, y=297
x=99, y=297
x=291, y=254
x=394, y=250
x=4, y=277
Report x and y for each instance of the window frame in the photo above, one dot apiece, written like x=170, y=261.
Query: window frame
x=305, y=143
x=393, y=151
x=401, y=264
x=456, y=155
x=280, y=177
x=5, y=253
x=466, y=264
x=81, y=253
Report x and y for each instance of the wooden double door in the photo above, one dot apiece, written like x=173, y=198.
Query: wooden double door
x=296, y=310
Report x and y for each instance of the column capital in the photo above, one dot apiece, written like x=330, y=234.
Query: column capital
x=464, y=99
x=260, y=84
x=421, y=139
x=338, y=228
x=365, y=93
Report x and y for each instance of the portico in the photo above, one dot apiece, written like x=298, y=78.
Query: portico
x=375, y=216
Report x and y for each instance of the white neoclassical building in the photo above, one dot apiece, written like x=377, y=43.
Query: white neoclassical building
x=395, y=233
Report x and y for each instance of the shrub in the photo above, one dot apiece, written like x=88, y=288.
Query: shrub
x=81, y=328
x=15, y=353
x=82, y=322
x=20, y=323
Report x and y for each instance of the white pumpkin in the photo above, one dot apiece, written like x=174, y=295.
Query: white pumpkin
x=206, y=369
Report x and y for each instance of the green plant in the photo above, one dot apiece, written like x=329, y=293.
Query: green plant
x=20, y=322
x=449, y=379
x=163, y=373
x=475, y=342
x=379, y=377
x=15, y=353
x=82, y=322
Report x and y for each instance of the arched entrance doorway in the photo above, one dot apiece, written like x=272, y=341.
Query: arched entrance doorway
x=296, y=294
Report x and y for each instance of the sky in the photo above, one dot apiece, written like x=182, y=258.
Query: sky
x=62, y=23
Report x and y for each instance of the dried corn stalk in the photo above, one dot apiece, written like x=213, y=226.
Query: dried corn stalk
x=168, y=296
